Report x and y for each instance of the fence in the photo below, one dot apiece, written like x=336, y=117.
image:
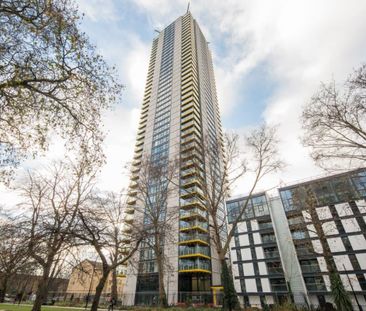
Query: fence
x=83, y=299
x=195, y=299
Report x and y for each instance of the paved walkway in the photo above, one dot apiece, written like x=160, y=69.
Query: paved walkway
x=60, y=307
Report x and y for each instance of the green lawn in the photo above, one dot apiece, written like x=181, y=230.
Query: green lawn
x=15, y=307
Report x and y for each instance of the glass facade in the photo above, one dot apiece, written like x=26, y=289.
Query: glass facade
x=256, y=206
x=339, y=202
x=179, y=111
x=333, y=190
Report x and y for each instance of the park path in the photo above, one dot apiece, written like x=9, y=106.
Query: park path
x=61, y=307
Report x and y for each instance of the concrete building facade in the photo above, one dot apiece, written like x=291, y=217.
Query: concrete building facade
x=276, y=253
x=179, y=111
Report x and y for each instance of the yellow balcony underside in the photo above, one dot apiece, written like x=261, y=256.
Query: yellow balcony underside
x=194, y=271
x=198, y=228
x=195, y=255
x=195, y=241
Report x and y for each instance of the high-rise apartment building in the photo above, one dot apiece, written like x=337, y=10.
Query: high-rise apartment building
x=179, y=111
x=276, y=253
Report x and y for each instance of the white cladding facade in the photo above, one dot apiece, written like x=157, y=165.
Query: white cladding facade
x=276, y=254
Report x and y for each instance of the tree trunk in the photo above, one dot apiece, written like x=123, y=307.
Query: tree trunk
x=162, y=296
x=42, y=290
x=98, y=291
x=230, y=297
x=4, y=287
x=114, y=285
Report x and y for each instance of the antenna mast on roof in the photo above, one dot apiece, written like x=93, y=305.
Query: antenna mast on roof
x=189, y=2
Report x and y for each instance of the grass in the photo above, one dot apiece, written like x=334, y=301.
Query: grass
x=16, y=307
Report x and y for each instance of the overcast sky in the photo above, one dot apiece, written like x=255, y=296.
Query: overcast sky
x=269, y=58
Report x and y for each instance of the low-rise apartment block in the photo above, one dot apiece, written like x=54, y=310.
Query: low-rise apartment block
x=276, y=253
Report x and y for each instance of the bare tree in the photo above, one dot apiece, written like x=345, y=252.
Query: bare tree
x=334, y=122
x=100, y=225
x=52, y=199
x=14, y=255
x=152, y=190
x=51, y=78
x=259, y=159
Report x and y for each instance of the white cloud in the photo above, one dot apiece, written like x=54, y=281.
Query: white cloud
x=121, y=124
x=301, y=42
x=99, y=10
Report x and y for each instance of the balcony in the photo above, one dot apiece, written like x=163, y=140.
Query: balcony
x=265, y=225
x=126, y=239
x=136, y=162
x=190, y=124
x=191, y=116
x=128, y=220
x=302, y=251
x=188, y=172
x=131, y=201
x=198, y=265
x=316, y=287
x=190, y=110
x=133, y=185
x=129, y=210
x=192, y=181
x=193, y=214
x=190, y=138
x=192, y=147
x=279, y=288
x=193, y=225
x=189, y=131
x=197, y=162
x=132, y=193
x=135, y=177
x=195, y=170
x=269, y=255
x=124, y=250
x=310, y=269
x=268, y=239
x=139, y=149
x=274, y=270
x=189, y=238
x=195, y=251
x=192, y=203
x=135, y=170
x=192, y=192
x=127, y=229
x=189, y=105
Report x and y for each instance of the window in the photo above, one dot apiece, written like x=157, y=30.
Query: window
x=315, y=283
x=296, y=220
x=324, y=192
x=299, y=234
x=359, y=180
x=309, y=266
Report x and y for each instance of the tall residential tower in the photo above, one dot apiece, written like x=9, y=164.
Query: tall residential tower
x=179, y=111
